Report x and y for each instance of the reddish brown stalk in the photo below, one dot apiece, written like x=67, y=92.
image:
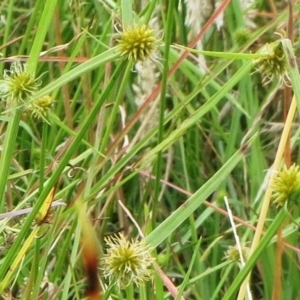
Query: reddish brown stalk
x=277, y=291
x=61, y=64
x=45, y=59
x=167, y=282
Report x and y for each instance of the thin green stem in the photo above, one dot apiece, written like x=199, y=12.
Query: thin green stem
x=113, y=114
x=164, y=230
x=43, y=27
x=253, y=258
x=43, y=156
x=129, y=292
x=229, y=55
x=8, y=152
x=127, y=15
x=57, y=173
x=162, y=109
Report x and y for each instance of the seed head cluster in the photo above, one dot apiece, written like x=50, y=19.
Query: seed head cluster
x=40, y=106
x=286, y=185
x=127, y=262
x=18, y=87
x=137, y=43
x=272, y=64
x=233, y=254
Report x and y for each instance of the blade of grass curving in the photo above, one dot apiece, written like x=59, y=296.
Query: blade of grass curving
x=253, y=258
x=43, y=26
x=30, y=25
x=7, y=28
x=186, y=280
x=229, y=55
x=8, y=151
x=117, y=102
x=12, y=130
x=198, y=113
x=20, y=254
x=87, y=66
x=59, y=267
x=149, y=156
x=10, y=137
x=148, y=10
x=164, y=230
x=203, y=82
x=127, y=15
x=209, y=271
x=162, y=109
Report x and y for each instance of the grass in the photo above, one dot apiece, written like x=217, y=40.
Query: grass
x=156, y=172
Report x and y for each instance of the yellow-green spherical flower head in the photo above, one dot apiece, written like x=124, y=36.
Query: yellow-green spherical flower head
x=272, y=64
x=137, y=42
x=127, y=262
x=233, y=254
x=286, y=185
x=40, y=106
x=17, y=85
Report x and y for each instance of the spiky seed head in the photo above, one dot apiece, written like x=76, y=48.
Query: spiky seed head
x=40, y=106
x=232, y=254
x=127, y=262
x=137, y=42
x=272, y=64
x=286, y=185
x=17, y=85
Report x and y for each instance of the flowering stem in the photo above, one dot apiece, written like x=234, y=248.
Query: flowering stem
x=42, y=156
x=129, y=292
x=91, y=64
x=229, y=55
x=43, y=26
x=126, y=13
x=148, y=10
x=161, y=232
x=8, y=150
x=162, y=109
x=115, y=109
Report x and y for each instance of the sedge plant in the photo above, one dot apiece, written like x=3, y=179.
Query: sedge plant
x=123, y=125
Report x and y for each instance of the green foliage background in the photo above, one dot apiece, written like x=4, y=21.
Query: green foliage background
x=213, y=133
